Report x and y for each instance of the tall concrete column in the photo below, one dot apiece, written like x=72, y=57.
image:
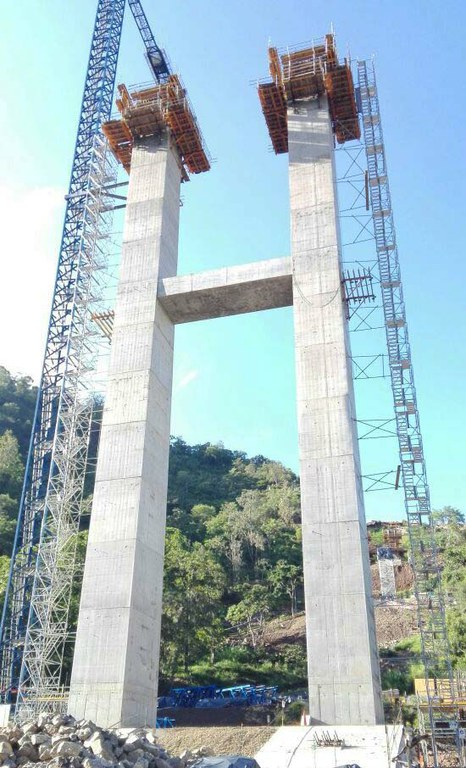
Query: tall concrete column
x=115, y=669
x=344, y=683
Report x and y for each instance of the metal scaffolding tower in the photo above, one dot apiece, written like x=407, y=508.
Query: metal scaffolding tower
x=423, y=547
x=35, y=615
x=35, y=621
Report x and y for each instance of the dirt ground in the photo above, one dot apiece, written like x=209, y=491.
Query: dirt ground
x=239, y=740
x=285, y=630
x=394, y=621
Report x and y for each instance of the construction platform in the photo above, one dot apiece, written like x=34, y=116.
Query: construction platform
x=447, y=697
x=294, y=746
x=151, y=111
x=305, y=74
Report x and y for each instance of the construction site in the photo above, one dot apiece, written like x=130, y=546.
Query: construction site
x=136, y=146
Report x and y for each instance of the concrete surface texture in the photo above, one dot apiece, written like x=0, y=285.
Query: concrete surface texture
x=115, y=669
x=227, y=291
x=344, y=682
x=365, y=746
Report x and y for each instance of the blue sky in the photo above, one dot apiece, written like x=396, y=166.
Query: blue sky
x=234, y=378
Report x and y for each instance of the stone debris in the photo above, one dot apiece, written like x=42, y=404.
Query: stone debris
x=60, y=741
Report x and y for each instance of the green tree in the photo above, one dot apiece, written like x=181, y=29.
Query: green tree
x=4, y=571
x=11, y=466
x=285, y=578
x=252, y=611
x=201, y=514
x=448, y=516
x=17, y=403
x=193, y=587
x=225, y=539
x=8, y=513
x=456, y=624
x=451, y=537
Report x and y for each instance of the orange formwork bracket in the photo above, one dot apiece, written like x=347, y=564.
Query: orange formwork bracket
x=151, y=111
x=308, y=73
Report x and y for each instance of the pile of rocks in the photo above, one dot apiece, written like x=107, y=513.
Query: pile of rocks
x=61, y=741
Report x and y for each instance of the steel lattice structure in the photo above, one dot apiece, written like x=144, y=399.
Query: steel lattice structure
x=35, y=620
x=55, y=567
x=32, y=622
x=155, y=56
x=423, y=548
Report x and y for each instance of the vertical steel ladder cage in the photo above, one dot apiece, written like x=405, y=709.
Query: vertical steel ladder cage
x=435, y=647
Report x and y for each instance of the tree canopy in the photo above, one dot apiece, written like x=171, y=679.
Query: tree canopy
x=17, y=403
x=233, y=551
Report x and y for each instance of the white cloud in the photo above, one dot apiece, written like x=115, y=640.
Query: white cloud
x=29, y=242
x=187, y=379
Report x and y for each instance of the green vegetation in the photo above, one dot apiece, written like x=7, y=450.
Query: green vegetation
x=376, y=537
x=233, y=559
x=451, y=538
x=17, y=401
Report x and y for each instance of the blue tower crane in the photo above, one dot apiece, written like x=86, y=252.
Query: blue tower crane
x=22, y=620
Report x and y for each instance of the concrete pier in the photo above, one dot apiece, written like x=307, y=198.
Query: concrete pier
x=115, y=669
x=344, y=682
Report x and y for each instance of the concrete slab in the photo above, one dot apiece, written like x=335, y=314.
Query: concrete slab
x=364, y=746
x=228, y=291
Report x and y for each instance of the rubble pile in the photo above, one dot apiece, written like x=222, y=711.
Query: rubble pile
x=60, y=741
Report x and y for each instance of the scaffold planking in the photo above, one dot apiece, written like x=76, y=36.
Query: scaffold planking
x=309, y=73
x=150, y=111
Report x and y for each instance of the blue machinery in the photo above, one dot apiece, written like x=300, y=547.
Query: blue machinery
x=208, y=695
x=34, y=626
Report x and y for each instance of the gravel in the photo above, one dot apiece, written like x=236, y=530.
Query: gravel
x=234, y=740
x=62, y=742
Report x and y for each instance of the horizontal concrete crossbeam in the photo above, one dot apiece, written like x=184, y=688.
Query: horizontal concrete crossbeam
x=228, y=291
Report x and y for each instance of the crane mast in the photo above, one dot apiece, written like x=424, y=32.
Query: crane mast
x=34, y=632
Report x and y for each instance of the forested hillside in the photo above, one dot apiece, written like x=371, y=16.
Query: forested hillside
x=233, y=556
x=233, y=548
x=17, y=402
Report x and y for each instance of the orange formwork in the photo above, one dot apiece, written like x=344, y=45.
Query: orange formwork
x=304, y=74
x=151, y=111
x=273, y=105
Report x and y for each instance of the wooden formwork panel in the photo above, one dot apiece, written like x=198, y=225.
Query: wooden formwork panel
x=309, y=73
x=151, y=111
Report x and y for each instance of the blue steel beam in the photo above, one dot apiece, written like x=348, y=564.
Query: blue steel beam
x=96, y=108
x=155, y=55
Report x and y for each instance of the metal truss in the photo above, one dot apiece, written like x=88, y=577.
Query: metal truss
x=156, y=57
x=423, y=547
x=35, y=614
x=35, y=633
x=370, y=366
x=376, y=429
x=47, y=634
x=381, y=481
